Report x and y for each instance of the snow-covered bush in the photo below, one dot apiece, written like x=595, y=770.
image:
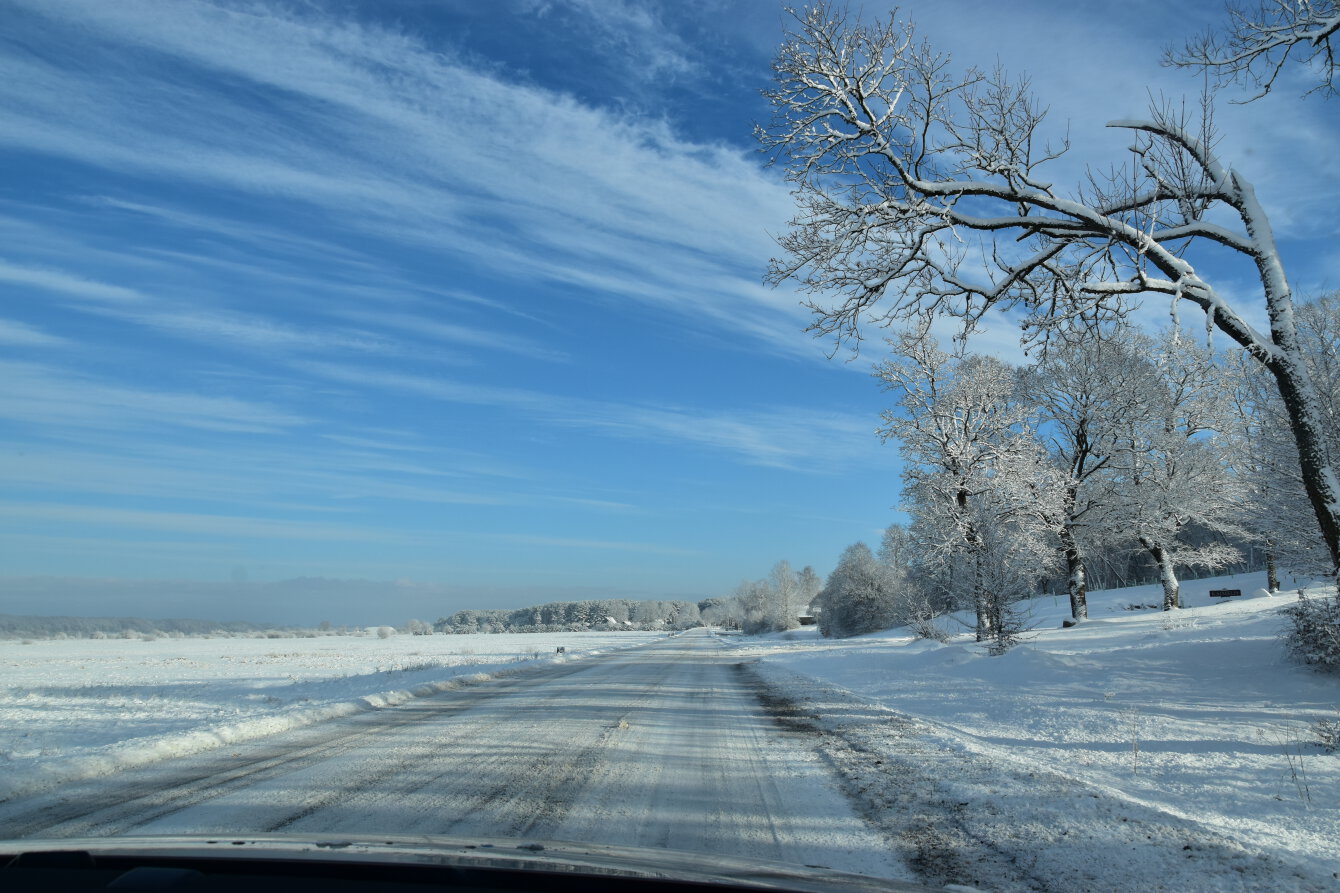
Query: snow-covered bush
x=923, y=626
x=1313, y=635
x=1327, y=733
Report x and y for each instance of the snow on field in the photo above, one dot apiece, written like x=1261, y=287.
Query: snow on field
x=1194, y=715
x=85, y=707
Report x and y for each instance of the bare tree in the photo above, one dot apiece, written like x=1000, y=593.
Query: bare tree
x=902, y=170
x=1261, y=39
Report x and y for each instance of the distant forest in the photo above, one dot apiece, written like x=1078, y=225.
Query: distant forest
x=18, y=626
x=603, y=614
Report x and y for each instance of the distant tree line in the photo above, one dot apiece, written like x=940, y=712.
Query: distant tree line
x=17, y=626
x=576, y=616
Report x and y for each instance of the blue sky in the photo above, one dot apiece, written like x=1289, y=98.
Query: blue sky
x=431, y=305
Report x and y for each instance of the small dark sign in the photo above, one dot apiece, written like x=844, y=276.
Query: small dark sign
x=1224, y=593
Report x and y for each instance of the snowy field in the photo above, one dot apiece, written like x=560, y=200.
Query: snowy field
x=1194, y=723
x=85, y=707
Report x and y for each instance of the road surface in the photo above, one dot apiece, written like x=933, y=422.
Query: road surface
x=664, y=745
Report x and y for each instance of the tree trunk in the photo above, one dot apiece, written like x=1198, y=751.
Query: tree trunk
x=1172, y=590
x=1284, y=359
x=981, y=601
x=1077, y=584
x=1320, y=478
x=1272, y=570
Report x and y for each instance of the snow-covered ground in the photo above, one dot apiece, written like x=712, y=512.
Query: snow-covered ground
x=1195, y=720
x=84, y=707
x=1138, y=751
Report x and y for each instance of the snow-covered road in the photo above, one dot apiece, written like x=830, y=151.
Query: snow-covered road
x=663, y=745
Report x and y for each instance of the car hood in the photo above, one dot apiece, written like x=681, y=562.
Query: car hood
x=471, y=853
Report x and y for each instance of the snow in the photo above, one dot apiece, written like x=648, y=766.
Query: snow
x=1193, y=720
x=80, y=708
x=1140, y=750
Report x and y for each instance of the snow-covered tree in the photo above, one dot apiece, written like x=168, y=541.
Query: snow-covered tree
x=1262, y=39
x=754, y=601
x=896, y=547
x=1171, y=473
x=1264, y=455
x=860, y=596
x=1084, y=393
x=786, y=599
x=922, y=192
x=810, y=584
x=718, y=612
x=919, y=599
x=1264, y=462
x=974, y=477
x=1012, y=546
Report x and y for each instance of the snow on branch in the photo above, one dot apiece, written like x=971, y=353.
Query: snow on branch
x=1259, y=41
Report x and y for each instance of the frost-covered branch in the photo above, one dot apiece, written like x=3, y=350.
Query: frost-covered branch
x=1259, y=41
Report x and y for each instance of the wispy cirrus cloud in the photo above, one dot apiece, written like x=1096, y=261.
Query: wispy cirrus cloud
x=669, y=222
x=18, y=334
x=561, y=542
x=635, y=32
x=45, y=396
x=777, y=437
x=68, y=284
x=232, y=526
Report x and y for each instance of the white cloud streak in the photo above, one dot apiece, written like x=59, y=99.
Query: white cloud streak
x=18, y=334
x=232, y=526
x=533, y=180
x=780, y=437
x=40, y=395
x=67, y=284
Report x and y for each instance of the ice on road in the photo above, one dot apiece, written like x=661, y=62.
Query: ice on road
x=664, y=745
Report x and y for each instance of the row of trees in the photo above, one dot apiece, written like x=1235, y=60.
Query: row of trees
x=1120, y=442
x=863, y=594
x=773, y=604
x=576, y=616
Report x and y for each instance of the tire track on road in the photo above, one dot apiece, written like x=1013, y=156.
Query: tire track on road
x=104, y=807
